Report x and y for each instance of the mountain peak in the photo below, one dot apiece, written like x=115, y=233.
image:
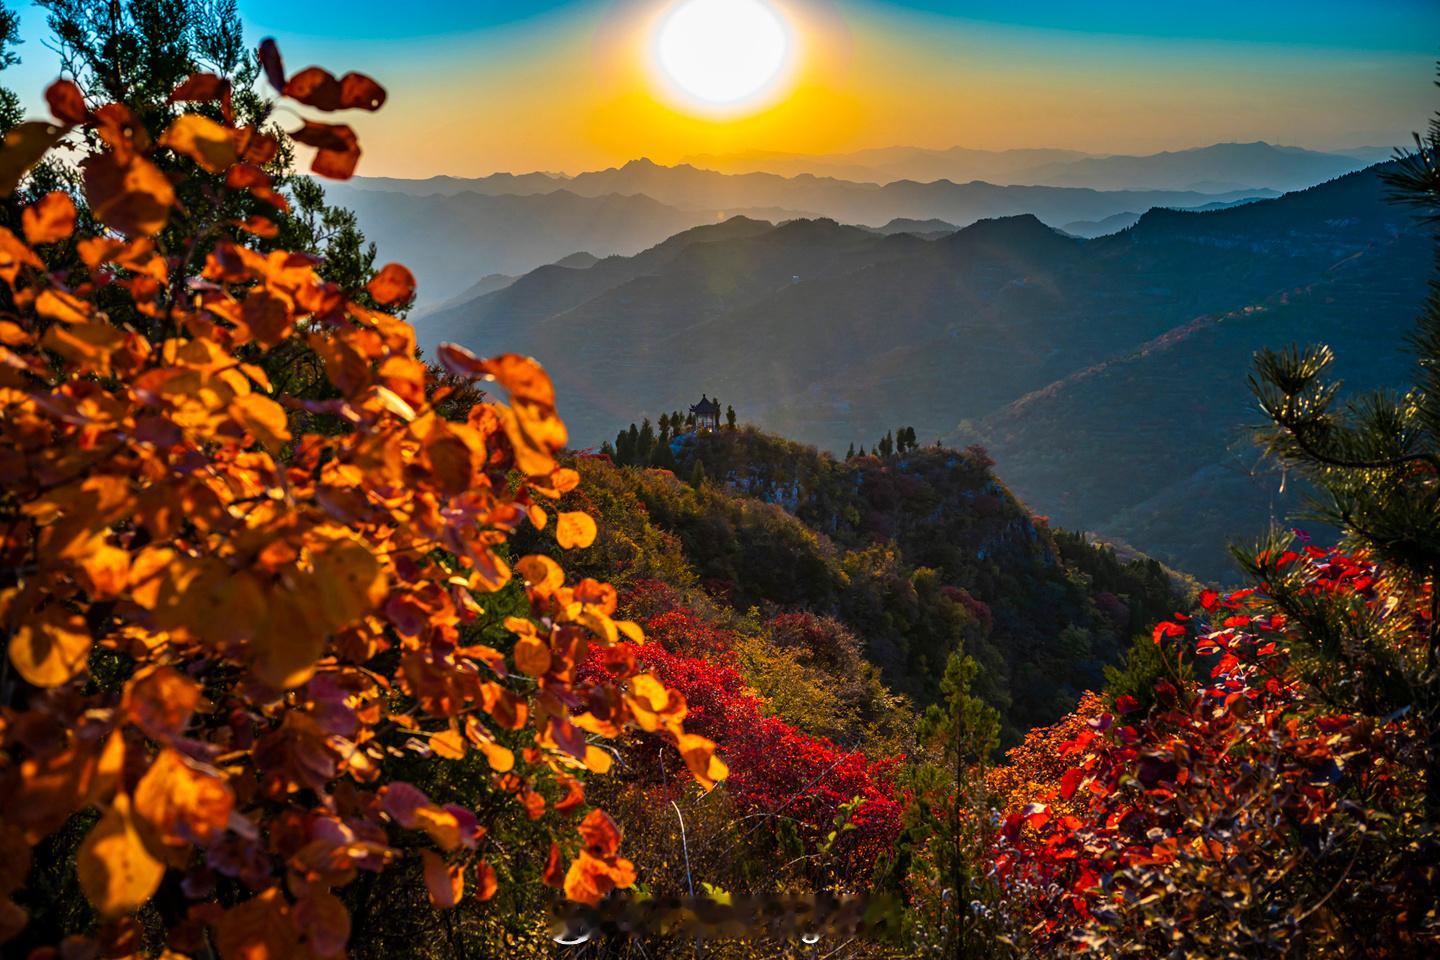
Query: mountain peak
x=1021, y=228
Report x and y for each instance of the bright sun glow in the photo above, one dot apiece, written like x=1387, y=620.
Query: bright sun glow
x=723, y=52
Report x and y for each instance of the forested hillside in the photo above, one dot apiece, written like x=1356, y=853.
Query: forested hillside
x=1000, y=334
x=918, y=554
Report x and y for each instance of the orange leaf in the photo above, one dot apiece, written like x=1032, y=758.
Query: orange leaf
x=51, y=647
x=262, y=418
x=57, y=304
x=393, y=284
x=25, y=144
x=574, y=529
x=201, y=87
x=337, y=150
x=601, y=834
x=258, y=929
x=554, y=873
x=210, y=144
x=133, y=197
x=177, y=804
x=445, y=882
x=67, y=103
x=699, y=754
x=532, y=656
x=448, y=744
x=485, y=883
x=541, y=572
x=116, y=872
x=50, y=218
x=160, y=701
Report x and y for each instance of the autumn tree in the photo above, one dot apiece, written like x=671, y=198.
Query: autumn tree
x=1375, y=462
x=234, y=609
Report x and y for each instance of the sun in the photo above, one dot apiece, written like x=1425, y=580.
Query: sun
x=723, y=54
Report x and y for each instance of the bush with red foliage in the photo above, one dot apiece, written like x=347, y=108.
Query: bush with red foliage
x=778, y=771
x=1246, y=814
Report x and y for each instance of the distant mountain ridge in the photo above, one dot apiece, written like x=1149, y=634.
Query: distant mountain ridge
x=1212, y=169
x=453, y=231
x=834, y=334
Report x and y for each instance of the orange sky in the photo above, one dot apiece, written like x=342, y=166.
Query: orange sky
x=568, y=85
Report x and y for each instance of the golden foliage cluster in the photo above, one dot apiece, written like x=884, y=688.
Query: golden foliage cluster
x=282, y=610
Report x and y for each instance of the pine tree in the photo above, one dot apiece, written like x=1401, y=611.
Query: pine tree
x=698, y=479
x=1374, y=461
x=951, y=817
x=850, y=453
x=645, y=443
x=886, y=446
x=730, y=417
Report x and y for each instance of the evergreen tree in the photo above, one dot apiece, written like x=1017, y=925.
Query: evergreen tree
x=950, y=815
x=850, y=453
x=645, y=443
x=1374, y=462
x=886, y=446
x=698, y=479
x=730, y=417
x=10, y=110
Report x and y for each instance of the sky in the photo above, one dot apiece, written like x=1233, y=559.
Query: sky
x=478, y=86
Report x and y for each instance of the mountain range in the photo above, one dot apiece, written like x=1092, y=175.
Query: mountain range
x=1106, y=376
x=1220, y=166
x=454, y=231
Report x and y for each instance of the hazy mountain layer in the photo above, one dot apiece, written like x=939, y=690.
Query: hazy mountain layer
x=1005, y=332
x=1221, y=166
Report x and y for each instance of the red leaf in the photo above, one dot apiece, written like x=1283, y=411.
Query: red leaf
x=201, y=87
x=359, y=92
x=1070, y=782
x=1167, y=629
x=274, y=66
x=314, y=87
x=554, y=873
x=1208, y=599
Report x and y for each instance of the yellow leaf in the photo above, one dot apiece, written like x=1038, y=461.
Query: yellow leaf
x=540, y=572
x=116, y=872
x=49, y=219
x=177, y=803
x=25, y=144
x=574, y=529
x=210, y=144
x=263, y=418
x=59, y=305
x=51, y=647
x=501, y=759
x=448, y=744
x=442, y=825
